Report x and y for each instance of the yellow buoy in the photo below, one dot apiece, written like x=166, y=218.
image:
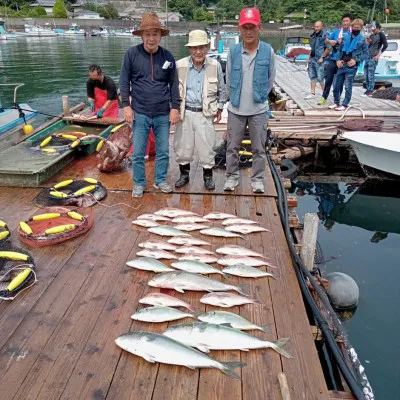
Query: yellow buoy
x=27, y=129
x=245, y=153
x=46, y=141
x=25, y=228
x=49, y=150
x=90, y=180
x=42, y=217
x=99, y=145
x=74, y=144
x=246, y=141
x=59, y=229
x=4, y=234
x=2, y=224
x=65, y=136
x=59, y=195
x=116, y=128
x=63, y=184
x=85, y=190
x=75, y=215
x=13, y=255
x=19, y=279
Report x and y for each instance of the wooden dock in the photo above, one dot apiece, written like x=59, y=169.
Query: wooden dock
x=57, y=338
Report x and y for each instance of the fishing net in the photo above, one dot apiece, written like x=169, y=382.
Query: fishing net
x=4, y=232
x=80, y=193
x=374, y=125
x=59, y=142
x=17, y=271
x=55, y=225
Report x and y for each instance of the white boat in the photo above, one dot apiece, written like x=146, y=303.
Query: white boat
x=103, y=31
x=124, y=33
x=33, y=30
x=296, y=43
x=4, y=33
x=221, y=49
x=73, y=30
x=378, y=150
x=389, y=62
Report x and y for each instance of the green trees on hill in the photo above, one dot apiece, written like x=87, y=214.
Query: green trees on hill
x=59, y=10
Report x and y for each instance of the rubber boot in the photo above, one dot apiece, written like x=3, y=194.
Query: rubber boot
x=208, y=179
x=184, y=178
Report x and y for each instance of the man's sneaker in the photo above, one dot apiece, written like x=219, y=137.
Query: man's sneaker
x=164, y=187
x=370, y=93
x=138, y=191
x=258, y=187
x=322, y=101
x=333, y=106
x=341, y=108
x=230, y=185
x=309, y=96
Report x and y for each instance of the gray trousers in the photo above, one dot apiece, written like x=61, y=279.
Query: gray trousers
x=258, y=125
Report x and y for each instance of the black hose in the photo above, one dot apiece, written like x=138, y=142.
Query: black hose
x=301, y=269
x=36, y=111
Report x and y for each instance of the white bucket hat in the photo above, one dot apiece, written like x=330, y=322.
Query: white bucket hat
x=198, y=38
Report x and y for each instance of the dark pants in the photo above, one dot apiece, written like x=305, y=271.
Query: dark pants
x=330, y=72
x=344, y=76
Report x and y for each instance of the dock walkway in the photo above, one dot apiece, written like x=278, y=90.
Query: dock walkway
x=57, y=338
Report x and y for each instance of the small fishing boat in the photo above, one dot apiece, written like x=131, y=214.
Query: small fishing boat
x=124, y=33
x=377, y=150
x=389, y=62
x=73, y=30
x=33, y=30
x=103, y=31
x=297, y=49
x=219, y=46
x=4, y=33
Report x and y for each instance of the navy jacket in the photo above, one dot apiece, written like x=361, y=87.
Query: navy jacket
x=154, y=89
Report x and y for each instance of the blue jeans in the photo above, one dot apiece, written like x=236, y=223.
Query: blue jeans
x=369, y=73
x=344, y=76
x=141, y=130
x=316, y=72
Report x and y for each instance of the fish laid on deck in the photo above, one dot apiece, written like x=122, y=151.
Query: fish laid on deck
x=182, y=280
x=155, y=244
x=145, y=223
x=190, y=219
x=157, y=254
x=246, y=271
x=188, y=241
x=154, y=217
x=219, y=232
x=206, y=337
x=165, y=230
x=191, y=227
x=245, y=229
x=234, y=250
x=219, y=215
x=160, y=314
x=173, y=212
x=158, y=348
x=227, y=300
x=148, y=264
x=196, y=267
x=161, y=299
x=249, y=261
x=193, y=250
x=236, y=221
x=205, y=258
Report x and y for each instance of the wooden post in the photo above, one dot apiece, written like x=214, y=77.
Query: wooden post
x=284, y=386
x=66, y=107
x=309, y=240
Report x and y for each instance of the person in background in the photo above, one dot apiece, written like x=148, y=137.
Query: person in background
x=250, y=74
x=148, y=74
x=102, y=93
x=377, y=45
x=334, y=40
x=203, y=94
x=315, y=62
x=352, y=51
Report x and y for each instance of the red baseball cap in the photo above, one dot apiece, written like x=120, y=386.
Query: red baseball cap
x=250, y=16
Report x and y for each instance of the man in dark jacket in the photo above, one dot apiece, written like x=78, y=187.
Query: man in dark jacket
x=149, y=75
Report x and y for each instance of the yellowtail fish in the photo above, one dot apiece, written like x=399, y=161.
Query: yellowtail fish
x=188, y=241
x=173, y=212
x=157, y=254
x=148, y=264
x=249, y=261
x=227, y=300
x=165, y=230
x=245, y=229
x=196, y=267
x=237, y=221
x=153, y=217
x=161, y=299
x=190, y=219
x=191, y=227
x=234, y=250
x=155, y=244
x=219, y=232
x=246, y=271
x=146, y=223
x=219, y=215
x=160, y=314
x=193, y=250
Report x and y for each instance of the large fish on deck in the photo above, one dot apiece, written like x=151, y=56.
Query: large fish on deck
x=245, y=271
x=160, y=314
x=155, y=244
x=173, y=212
x=145, y=223
x=148, y=264
x=188, y=241
x=158, y=348
x=204, y=258
x=249, y=261
x=193, y=250
x=208, y=337
x=191, y=227
x=227, y=300
x=219, y=215
x=234, y=250
x=165, y=230
x=153, y=217
x=181, y=281
x=161, y=299
x=245, y=229
x=219, y=232
x=157, y=254
x=196, y=267
x=190, y=219
x=237, y=221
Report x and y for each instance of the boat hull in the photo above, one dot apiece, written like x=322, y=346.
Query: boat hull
x=10, y=118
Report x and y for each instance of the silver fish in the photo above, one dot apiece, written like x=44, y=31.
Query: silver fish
x=190, y=219
x=146, y=223
x=246, y=271
x=157, y=254
x=234, y=250
x=205, y=258
x=160, y=314
x=237, y=221
x=161, y=299
x=196, y=267
x=188, y=241
x=173, y=212
x=193, y=250
x=153, y=217
x=148, y=264
x=165, y=230
x=226, y=300
x=245, y=229
x=191, y=227
x=182, y=280
x=249, y=261
x=234, y=320
x=219, y=215
x=155, y=244
x=219, y=232
x=158, y=348
x=208, y=337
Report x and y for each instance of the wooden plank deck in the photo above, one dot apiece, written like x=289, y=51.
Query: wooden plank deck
x=58, y=337
x=293, y=80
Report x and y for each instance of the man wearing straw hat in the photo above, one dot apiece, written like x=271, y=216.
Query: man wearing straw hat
x=203, y=94
x=250, y=74
x=148, y=75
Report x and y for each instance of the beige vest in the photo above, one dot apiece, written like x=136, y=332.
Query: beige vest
x=210, y=85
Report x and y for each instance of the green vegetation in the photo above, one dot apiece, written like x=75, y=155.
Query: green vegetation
x=59, y=10
x=107, y=12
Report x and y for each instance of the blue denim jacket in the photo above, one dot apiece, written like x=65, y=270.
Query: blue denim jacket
x=318, y=43
x=260, y=76
x=360, y=53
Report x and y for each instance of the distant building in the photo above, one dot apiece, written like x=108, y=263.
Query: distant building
x=296, y=16
x=172, y=17
x=86, y=14
x=79, y=6
x=46, y=4
x=212, y=10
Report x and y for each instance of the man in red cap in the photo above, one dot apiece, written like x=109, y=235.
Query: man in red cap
x=250, y=74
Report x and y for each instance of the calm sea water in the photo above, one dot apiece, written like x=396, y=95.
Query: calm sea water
x=360, y=226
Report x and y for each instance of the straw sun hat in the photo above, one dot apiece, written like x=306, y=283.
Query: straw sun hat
x=198, y=38
x=150, y=21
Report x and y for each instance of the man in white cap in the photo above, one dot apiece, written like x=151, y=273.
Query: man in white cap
x=202, y=93
x=250, y=74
